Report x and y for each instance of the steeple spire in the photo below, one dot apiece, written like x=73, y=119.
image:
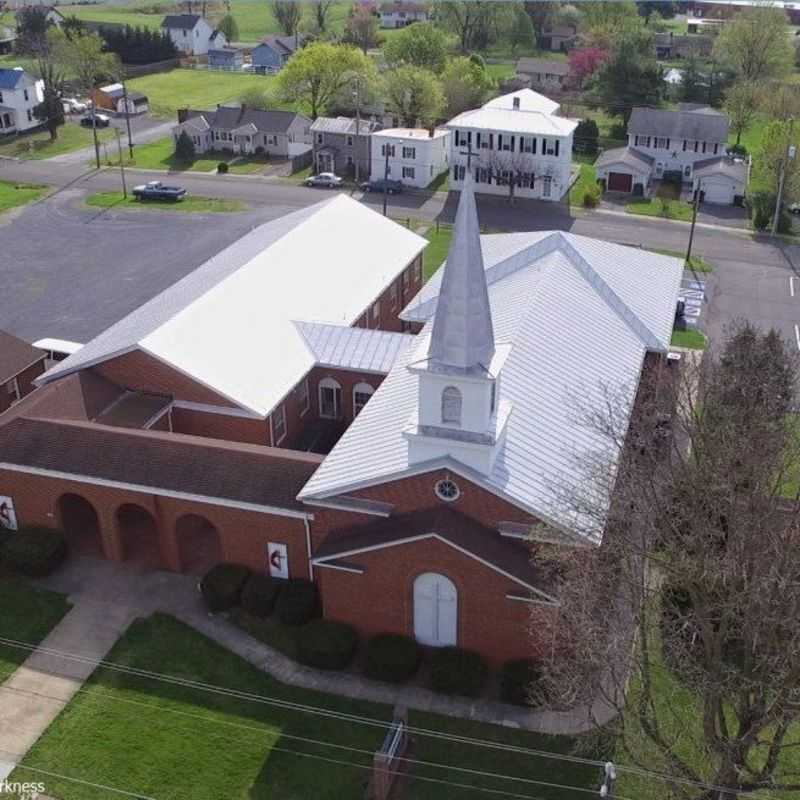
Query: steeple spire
x=462, y=335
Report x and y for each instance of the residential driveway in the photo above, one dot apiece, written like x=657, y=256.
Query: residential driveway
x=70, y=272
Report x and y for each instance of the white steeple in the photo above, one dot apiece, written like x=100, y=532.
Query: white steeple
x=462, y=335
x=460, y=412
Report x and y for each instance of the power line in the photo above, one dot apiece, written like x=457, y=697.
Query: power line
x=344, y=717
x=308, y=740
x=73, y=779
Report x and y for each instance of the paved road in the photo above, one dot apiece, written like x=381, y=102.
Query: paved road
x=150, y=252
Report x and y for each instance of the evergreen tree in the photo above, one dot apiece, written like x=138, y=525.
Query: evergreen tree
x=184, y=148
x=228, y=26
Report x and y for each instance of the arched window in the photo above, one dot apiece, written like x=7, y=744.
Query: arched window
x=330, y=399
x=451, y=405
x=361, y=393
x=435, y=610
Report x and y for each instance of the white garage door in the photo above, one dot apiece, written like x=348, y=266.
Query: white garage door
x=718, y=192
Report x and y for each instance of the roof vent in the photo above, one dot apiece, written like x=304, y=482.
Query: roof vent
x=516, y=103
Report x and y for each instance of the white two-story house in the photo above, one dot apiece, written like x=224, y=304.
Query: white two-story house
x=20, y=93
x=665, y=145
x=416, y=156
x=399, y=13
x=517, y=137
x=193, y=34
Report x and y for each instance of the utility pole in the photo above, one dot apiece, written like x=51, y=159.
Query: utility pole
x=127, y=117
x=788, y=155
x=357, y=96
x=121, y=165
x=694, y=220
x=386, y=178
x=94, y=134
x=610, y=775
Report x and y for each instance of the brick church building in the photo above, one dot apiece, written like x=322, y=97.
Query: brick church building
x=302, y=404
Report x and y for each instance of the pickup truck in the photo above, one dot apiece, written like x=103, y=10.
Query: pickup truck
x=155, y=190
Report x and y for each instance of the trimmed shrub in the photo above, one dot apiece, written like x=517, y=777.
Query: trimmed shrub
x=259, y=595
x=222, y=168
x=762, y=206
x=326, y=645
x=391, y=657
x=457, y=671
x=34, y=552
x=591, y=196
x=297, y=602
x=222, y=586
x=517, y=678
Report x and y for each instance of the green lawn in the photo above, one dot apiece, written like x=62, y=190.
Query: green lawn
x=13, y=195
x=174, y=742
x=436, y=252
x=669, y=209
x=587, y=179
x=752, y=136
x=502, y=70
x=697, y=263
x=194, y=88
x=38, y=145
x=161, y=155
x=689, y=338
x=28, y=615
x=188, y=205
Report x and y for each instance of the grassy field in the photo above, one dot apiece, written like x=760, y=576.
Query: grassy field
x=668, y=209
x=194, y=88
x=164, y=740
x=587, y=179
x=436, y=252
x=38, y=145
x=254, y=17
x=189, y=205
x=161, y=155
x=694, y=340
x=28, y=615
x=13, y=195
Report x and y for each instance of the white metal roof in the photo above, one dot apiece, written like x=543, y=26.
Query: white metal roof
x=410, y=133
x=230, y=324
x=579, y=315
x=528, y=101
x=360, y=349
x=514, y=121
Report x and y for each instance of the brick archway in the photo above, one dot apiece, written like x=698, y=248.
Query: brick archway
x=199, y=545
x=138, y=536
x=78, y=519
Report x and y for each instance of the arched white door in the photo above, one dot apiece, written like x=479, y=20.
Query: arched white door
x=435, y=610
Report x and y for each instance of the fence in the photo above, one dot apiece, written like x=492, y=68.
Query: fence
x=389, y=762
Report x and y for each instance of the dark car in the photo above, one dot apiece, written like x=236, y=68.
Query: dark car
x=100, y=120
x=382, y=185
x=155, y=190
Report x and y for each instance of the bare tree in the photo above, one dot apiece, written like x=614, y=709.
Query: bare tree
x=510, y=169
x=321, y=10
x=684, y=626
x=287, y=14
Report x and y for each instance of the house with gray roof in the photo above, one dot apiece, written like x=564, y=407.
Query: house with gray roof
x=274, y=51
x=192, y=34
x=544, y=74
x=239, y=129
x=668, y=145
x=342, y=145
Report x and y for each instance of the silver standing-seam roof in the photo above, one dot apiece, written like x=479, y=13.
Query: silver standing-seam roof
x=462, y=333
x=579, y=316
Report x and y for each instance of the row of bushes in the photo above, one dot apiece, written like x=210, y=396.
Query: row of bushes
x=325, y=644
x=34, y=552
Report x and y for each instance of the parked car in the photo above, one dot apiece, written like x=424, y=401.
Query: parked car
x=73, y=106
x=383, y=185
x=793, y=208
x=155, y=190
x=100, y=120
x=326, y=180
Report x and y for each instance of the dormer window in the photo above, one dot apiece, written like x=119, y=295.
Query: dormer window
x=451, y=406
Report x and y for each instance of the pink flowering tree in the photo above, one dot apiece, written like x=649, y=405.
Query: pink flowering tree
x=583, y=63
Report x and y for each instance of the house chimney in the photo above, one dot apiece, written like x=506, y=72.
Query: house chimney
x=515, y=102
x=183, y=113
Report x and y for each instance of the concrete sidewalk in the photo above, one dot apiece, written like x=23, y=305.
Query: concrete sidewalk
x=113, y=594
x=38, y=690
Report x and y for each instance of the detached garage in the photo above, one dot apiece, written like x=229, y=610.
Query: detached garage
x=625, y=170
x=721, y=181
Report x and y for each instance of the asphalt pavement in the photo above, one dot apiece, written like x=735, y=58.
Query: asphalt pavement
x=151, y=250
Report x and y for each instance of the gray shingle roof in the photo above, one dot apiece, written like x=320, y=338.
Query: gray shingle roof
x=183, y=21
x=528, y=66
x=342, y=125
x=737, y=170
x=285, y=44
x=231, y=117
x=629, y=156
x=701, y=124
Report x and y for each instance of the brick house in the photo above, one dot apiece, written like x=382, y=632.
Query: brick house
x=273, y=409
x=20, y=365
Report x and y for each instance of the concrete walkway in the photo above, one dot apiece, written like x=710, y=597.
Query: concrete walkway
x=108, y=596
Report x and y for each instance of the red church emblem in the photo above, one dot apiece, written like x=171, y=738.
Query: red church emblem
x=278, y=560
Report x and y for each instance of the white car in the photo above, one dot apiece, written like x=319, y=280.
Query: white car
x=327, y=180
x=73, y=106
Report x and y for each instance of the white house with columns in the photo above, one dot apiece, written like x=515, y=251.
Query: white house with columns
x=416, y=155
x=516, y=138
